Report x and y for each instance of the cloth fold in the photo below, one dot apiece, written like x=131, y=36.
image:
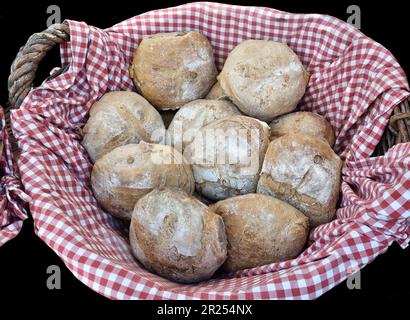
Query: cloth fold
x=376, y=193
x=13, y=199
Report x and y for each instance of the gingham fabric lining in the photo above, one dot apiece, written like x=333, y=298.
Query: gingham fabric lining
x=12, y=197
x=354, y=83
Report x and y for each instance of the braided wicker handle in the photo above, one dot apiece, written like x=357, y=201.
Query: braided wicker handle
x=24, y=67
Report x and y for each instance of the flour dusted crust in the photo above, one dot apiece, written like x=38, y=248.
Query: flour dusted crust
x=176, y=236
x=227, y=155
x=127, y=173
x=304, y=172
x=264, y=79
x=171, y=69
x=261, y=230
x=217, y=93
x=120, y=118
x=193, y=116
x=308, y=123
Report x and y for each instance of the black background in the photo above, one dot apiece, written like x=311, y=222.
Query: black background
x=24, y=260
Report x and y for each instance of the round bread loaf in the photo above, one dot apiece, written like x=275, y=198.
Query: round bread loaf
x=264, y=79
x=308, y=123
x=217, y=93
x=193, y=116
x=120, y=118
x=260, y=230
x=227, y=155
x=177, y=236
x=171, y=69
x=304, y=172
x=127, y=173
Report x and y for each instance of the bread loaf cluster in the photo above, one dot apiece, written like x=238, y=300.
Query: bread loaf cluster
x=212, y=171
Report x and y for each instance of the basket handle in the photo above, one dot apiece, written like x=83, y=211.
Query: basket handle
x=25, y=65
x=400, y=115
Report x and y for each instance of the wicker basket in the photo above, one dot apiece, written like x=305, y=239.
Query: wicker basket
x=282, y=280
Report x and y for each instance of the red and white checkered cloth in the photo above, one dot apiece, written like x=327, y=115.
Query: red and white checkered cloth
x=12, y=197
x=355, y=83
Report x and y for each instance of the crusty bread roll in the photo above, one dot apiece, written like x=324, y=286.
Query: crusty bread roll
x=171, y=69
x=226, y=156
x=193, y=116
x=119, y=118
x=217, y=93
x=264, y=79
x=129, y=172
x=305, y=172
x=308, y=123
x=261, y=230
x=176, y=236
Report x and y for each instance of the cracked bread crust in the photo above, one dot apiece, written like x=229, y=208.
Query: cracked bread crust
x=306, y=173
x=239, y=140
x=121, y=177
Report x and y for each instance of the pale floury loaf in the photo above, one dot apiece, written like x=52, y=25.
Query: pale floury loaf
x=177, y=236
x=264, y=79
x=193, y=116
x=120, y=118
x=305, y=172
x=127, y=173
x=261, y=230
x=172, y=69
x=227, y=155
x=308, y=123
